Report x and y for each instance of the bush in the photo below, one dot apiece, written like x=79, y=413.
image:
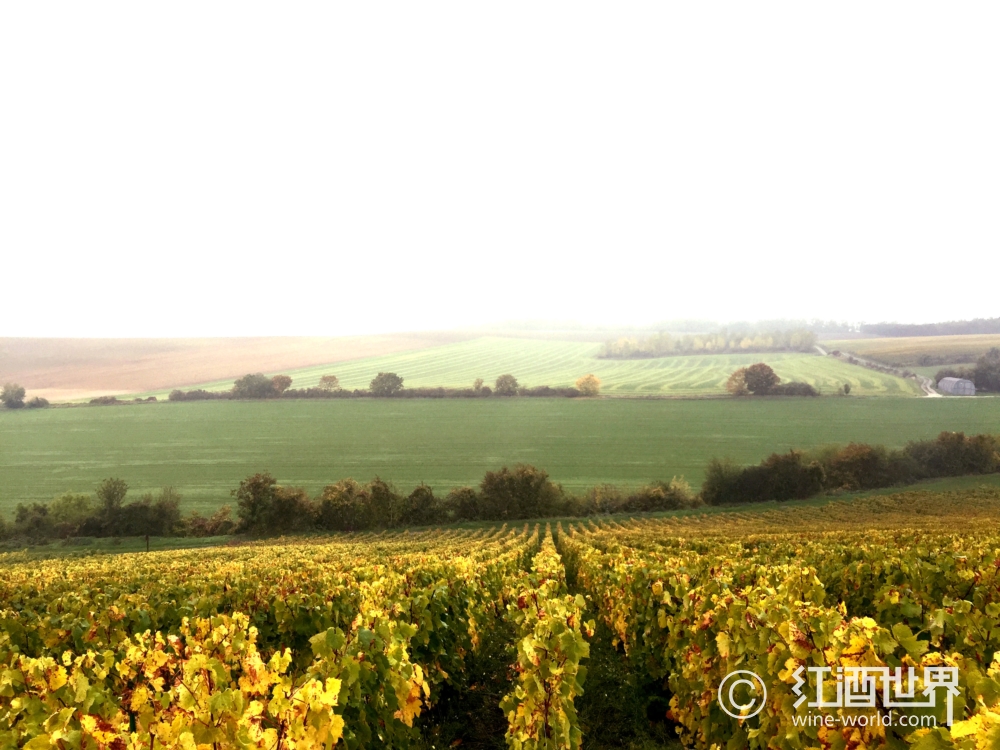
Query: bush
x=987, y=372
x=506, y=385
x=342, y=506
x=255, y=385
x=952, y=454
x=199, y=394
x=386, y=384
x=589, y=385
x=254, y=500
x=220, y=523
x=793, y=389
x=545, y=391
x=37, y=403
x=858, y=467
x=12, y=396
x=965, y=373
x=105, y=401
x=781, y=476
x=658, y=496
x=462, y=503
x=69, y=512
x=421, y=507
x=280, y=384
x=329, y=383
x=760, y=379
x=521, y=492
x=151, y=516
x=737, y=383
x=33, y=521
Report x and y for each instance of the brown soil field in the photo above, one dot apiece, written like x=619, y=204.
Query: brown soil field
x=70, y=369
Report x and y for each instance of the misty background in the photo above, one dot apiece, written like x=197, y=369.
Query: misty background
x=242, y=169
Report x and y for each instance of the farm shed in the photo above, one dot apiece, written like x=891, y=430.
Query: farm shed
x=957, y=386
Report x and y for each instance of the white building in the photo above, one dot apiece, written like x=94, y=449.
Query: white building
x=957, y=386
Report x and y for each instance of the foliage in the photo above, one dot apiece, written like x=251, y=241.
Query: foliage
x=329, y=383
x=110, y=494
x=760, y=379
x=104, y=401
x=793, y=389
x=255, y=502
x=589, y=385
x=12, y=396
x=987, y=372
x=737, y=383
x=37, y=403
x=551, y=643
x=280, y=383
x=351, y=653
x=386, y=384
x=953, y=454
x=691, y=601
x=521, y=492
x=506, y=385
x=665, y=345
x=199, y=394
x=779, y=477
x=255, y=385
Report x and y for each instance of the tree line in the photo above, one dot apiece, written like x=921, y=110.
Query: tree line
x=723, y=342
x=797, y=475
x=949, y=328
x=264, y=507
x=384, y=385
x=12, y=397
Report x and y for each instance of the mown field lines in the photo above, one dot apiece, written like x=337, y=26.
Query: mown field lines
x=560, y=363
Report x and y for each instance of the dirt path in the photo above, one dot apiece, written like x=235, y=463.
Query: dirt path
x=926, y=384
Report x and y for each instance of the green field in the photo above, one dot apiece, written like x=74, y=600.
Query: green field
x=907, y=351
x=205, y=448
x=560, y=363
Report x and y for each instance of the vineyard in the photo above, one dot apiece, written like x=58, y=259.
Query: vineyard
x=356, y=640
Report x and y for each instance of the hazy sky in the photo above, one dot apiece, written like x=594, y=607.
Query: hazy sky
x=193, y=168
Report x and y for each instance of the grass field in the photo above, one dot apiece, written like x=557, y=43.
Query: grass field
x=915, y=350
x=205, y=448
x=560, y=363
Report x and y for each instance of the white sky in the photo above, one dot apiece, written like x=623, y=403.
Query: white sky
x=193, y=168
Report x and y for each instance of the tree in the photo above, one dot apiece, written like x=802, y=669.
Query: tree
x=329, y=383
x=589, y=385
x=280, y=383
x=110, y=493
x=737, y=383
x=521, y=492
x=847, y=389
x=12, y=396
x=760, y=378
x=506, y=385
x=987, y=372
x=254, y=500
x=255, y=385
x=477, y=385
x=386, y=384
